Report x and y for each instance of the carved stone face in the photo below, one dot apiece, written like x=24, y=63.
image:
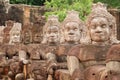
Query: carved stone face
x=99, y=29
x=52, y=34
x=37, y=38
x=16, y=37
x=27, y=37
x=71, y=32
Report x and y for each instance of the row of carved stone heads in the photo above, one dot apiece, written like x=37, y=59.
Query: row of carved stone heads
x=72, y=29
x=92, y=60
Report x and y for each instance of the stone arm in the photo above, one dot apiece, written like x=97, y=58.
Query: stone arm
x=113, y=58
x=51, y=62
x=23, y=57
x=74, y=66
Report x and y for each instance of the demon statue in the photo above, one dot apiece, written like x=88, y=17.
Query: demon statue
x=90, y=59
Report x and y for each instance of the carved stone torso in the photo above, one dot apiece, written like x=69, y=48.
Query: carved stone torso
x=90, y=54
x=37, y=64
x=11, y=50
x=33, y=50
x=44, y=49
x=59, y=50
x=63, y=51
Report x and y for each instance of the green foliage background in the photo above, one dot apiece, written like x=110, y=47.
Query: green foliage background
x=60, y=7
x=29, y=2
x=110, y=3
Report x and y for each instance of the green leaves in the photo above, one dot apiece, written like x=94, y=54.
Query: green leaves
x=59, y=7
x=29, y=2
x=110, y=3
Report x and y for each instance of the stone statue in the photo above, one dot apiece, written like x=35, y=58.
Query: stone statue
x=15, y=33
x=8, y=26
x=71, y=33
x=7, y=5
x=101, y=34
x=38, y=29
x=111, y=22
x=46, y=51
x=17, y=60
x=50, y=29
x=15, y=51
x=72, y=28
x=27, y=33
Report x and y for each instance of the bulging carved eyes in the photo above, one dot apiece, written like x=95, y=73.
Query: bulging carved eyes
x=103, y=25
x=75, y=29
x=93, y=27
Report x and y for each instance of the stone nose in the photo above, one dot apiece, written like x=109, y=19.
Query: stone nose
x=98, y=29
x=71, y=32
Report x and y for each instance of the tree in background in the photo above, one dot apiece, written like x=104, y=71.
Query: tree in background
x=18, y=1
x=110, y=3
x=29, y=2
x=60, y=7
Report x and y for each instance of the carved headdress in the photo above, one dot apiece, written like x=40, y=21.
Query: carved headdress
x=72, y=16
x=100, y=10
x=52, y=21
x=17, y=27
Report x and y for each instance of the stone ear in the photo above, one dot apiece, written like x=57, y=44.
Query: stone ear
x=111, y=26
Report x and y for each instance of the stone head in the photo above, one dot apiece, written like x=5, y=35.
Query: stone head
x=37, y=32
x=37, y=38
x=51, y=30
x=6, y=1
x=27, y=33
x=71, y=27
x=101, y=25
x=9, y=23
x=15, y=33
x=8, y=26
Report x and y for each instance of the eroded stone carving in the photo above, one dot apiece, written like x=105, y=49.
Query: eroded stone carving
x=1, y=34
x=7, y=5
x=8, y=27
x=47, y=61
x=113, y=58
x=72, y=28
x=15, y=33
x=71, y=33
x=101, y=34
x=46, y=51
x=37, y=28
x=27, y=33
x=51, y=30
x=109, y=21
